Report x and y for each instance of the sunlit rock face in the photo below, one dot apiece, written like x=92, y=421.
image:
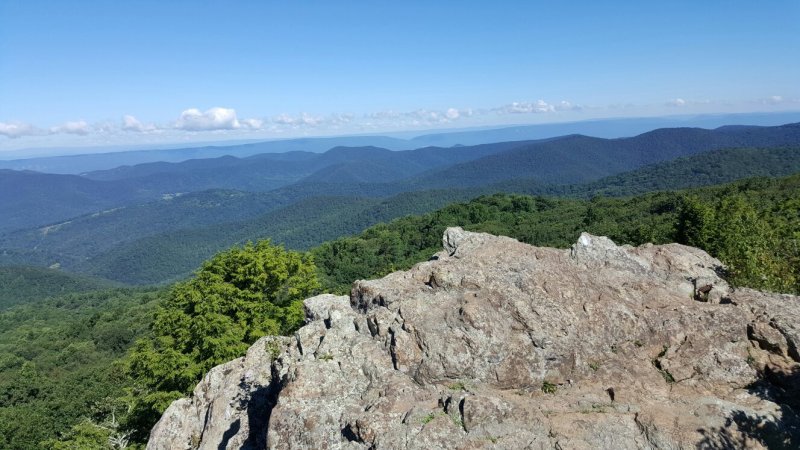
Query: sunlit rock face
x=498, y=344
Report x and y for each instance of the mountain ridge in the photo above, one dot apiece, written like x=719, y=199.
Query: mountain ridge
x=214, y=220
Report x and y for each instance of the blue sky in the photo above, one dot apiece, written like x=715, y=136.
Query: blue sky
x=112, y=72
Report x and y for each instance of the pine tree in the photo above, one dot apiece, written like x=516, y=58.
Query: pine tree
x=237, y=297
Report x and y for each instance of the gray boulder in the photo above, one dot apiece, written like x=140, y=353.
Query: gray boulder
x=498, y=344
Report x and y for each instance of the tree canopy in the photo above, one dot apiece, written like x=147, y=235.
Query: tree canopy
x=236, y=297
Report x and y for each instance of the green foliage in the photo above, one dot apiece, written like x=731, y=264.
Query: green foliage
x=549, y=388
x=163, y=241
x=696, y=222
x=23, y=284
x=428, y=418
x=752, y=228
x=57, y=361
x=237, y=297
x=704, y=169
x=84, y=436
x=540, y=221
x=458, y=386
x=57, y=356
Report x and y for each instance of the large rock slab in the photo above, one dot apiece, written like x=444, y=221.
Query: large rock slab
x=497, y=344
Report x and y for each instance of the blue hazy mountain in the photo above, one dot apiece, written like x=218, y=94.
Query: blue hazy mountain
x=94, y=159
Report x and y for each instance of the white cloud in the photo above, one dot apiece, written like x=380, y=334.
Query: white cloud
x=14, y=130
x=564, y=105
x=283, y=119
x=417, y=118
x=539, y=106
x=212, y=119
x=303, y=119
x=423, y=115
x=130, y=123
x=79, y=127
x=383, y=115
x=340, y=119
x=676, y=102
x=775, y=99
x=253, y=124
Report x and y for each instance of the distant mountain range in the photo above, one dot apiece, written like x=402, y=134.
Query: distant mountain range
x=92, y=159
x=31, y=199
x=164, y=239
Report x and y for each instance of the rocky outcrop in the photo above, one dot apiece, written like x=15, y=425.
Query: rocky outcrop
x=497, y=344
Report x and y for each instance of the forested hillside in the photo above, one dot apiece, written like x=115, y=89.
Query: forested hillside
x=35, y=199
x=581, y=159
x=164, y=240
x=752, y=225
x=57, y=356
x=58, y=363
x=23, y=284
x=31, y=198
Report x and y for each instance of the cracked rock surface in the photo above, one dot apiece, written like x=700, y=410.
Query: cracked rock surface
x=498, y=344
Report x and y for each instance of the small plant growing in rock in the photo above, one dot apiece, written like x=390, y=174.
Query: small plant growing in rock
x=597, y=408
x=273, y=349
x=594, y=365
x=750, y=360
x=326, y=357
x=458, y=386
x=549, y=388
x=638, y=343
x=194, y=442
x=425, y=420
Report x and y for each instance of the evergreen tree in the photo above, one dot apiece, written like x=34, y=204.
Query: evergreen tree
x=236, y=297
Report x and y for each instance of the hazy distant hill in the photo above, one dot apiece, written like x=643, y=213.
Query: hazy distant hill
x=23, y=284
x=173, y=255
x=578, y=159
x=371, y=165
x=165, y=240
x=76, y=164
x=31, y=198
x=71, y=242
x=563, y=160
x=265, y=171
x=130, y=224
x=602, y=128
x=91, y=160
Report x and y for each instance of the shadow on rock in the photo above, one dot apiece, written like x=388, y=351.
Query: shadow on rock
x=743, y=430
x=229, y=433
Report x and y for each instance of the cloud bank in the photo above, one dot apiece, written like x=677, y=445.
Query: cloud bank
x=79, y=127
x=130, y=123
x=194, y=121
x=15, y=130
x=212, y=119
